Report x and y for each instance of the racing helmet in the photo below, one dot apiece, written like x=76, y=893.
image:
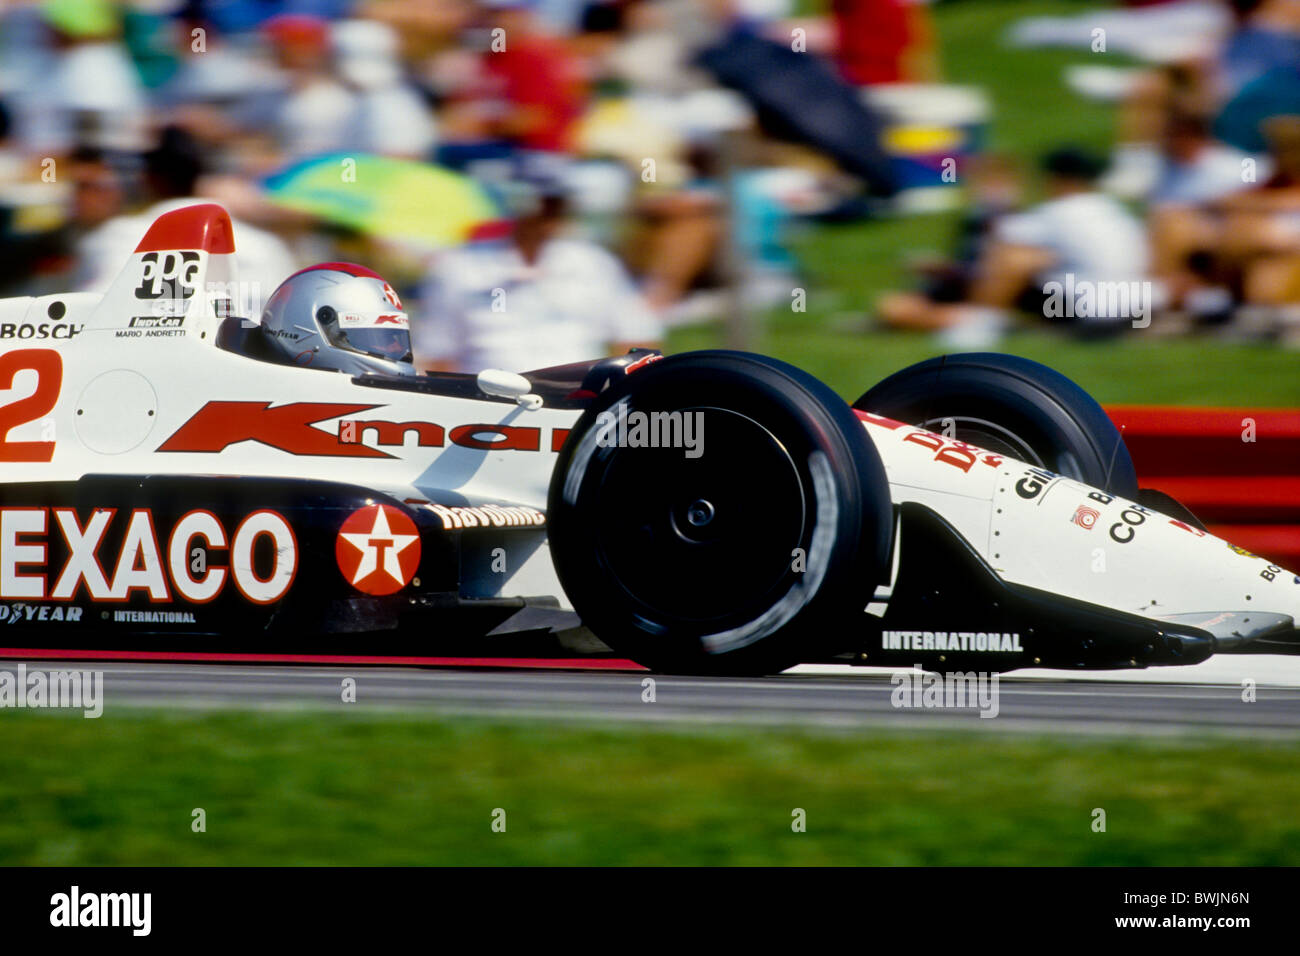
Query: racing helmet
x=340, y=317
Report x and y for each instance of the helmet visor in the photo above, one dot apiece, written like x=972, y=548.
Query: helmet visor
x=385, y=336
x=391, y=344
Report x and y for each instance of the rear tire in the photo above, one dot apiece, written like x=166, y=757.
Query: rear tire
x=1012, y=406
x=759, y=553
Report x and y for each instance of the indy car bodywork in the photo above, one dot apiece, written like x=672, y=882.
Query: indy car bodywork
x=167, y=490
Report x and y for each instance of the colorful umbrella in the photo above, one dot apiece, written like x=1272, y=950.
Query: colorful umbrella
x=394, y=199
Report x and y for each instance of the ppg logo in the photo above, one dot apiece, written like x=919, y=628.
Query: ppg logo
x=168, y=275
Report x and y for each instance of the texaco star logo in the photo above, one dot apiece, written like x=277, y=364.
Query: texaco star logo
x=378, y=549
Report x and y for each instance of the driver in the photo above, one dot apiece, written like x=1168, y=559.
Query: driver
x=341, y=317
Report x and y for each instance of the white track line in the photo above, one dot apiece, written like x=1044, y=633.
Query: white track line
x=1266, y=670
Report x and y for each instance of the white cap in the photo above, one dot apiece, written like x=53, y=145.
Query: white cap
x=367, y=53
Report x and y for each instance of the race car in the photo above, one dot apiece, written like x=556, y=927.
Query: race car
x=180, y=482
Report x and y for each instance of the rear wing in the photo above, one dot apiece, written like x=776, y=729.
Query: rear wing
x=180, y=281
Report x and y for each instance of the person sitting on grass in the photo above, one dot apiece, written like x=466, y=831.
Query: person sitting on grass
x=1078, y=239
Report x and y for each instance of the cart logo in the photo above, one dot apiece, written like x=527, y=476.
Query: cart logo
x=378, y=549
x=1085, y=517
x=156, y=321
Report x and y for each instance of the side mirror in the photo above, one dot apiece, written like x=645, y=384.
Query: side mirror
x=495, y=381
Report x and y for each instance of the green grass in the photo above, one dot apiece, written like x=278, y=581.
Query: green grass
x=1033, y=110
x=845, y=268
x=331, y=788
x=1141, y=371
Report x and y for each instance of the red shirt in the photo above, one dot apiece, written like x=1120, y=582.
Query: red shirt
x=541, y=74
x=872, y=37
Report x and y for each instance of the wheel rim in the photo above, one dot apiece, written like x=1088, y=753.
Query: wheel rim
x=702, y=540
x=1003, y=441
x=987, y=435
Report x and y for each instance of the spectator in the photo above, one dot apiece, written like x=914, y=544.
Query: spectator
x=12, y=163
x=172, y=171
x=99, y=189
x=389, y=116
x=884, y=41
x=1194, y=168
x=309, y=114
x=1079, y=237
x=994, y=184
x=1264, y=36
x=1195, y=173
x=679, y=231
x=1259, y=246
x=85, y=88
x=531, y=91
x=532, y=301
x=33, y=234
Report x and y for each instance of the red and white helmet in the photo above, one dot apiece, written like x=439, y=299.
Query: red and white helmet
x=341, y=317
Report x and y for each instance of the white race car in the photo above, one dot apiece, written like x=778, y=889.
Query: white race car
x=177, y=483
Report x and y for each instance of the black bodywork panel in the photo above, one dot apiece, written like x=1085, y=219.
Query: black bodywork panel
x=319, y=612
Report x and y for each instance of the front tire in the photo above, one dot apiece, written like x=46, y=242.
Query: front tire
x=753, y=552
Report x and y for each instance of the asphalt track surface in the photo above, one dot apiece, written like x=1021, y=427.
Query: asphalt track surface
x=826, y=697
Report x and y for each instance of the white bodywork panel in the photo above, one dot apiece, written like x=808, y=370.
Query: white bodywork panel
x=115, y=378
x=1060, y=535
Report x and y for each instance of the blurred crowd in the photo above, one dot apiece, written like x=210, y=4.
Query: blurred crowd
x=1192, y=224
x=546, y=180
x=543, y=180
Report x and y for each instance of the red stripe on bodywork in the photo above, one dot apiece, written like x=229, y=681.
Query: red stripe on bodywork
x=877, y=419
x=219, y=657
